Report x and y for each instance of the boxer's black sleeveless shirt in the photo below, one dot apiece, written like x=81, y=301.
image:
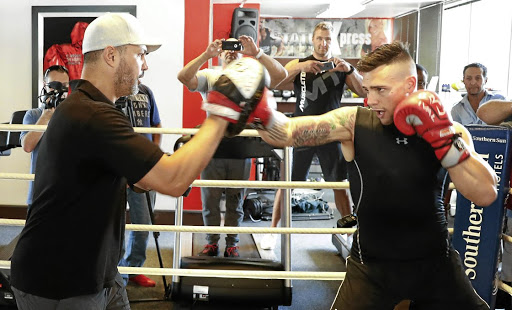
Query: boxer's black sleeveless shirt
x=397, y=185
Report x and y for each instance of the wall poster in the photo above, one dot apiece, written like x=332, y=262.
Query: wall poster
x=352, y=38
x=52, y=26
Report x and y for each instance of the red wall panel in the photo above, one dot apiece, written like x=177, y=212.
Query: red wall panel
x=197, y=23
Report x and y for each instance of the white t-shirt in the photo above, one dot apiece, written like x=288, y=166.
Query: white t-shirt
x=205, y=80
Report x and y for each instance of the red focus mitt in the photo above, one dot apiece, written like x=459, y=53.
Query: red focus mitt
x=237, y=92
x=422, y=113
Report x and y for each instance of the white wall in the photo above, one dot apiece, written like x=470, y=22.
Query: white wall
x=161, y=19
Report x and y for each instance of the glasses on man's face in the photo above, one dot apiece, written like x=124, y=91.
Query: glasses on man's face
x=422, y=84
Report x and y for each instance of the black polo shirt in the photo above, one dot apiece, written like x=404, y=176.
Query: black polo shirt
x=72, y=241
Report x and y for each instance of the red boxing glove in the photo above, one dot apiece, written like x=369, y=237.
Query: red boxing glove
x=422, y=113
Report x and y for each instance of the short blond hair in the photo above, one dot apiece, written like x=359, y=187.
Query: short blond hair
x=323, y=26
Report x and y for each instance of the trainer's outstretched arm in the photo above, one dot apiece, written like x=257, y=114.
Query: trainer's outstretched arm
x=172, y=175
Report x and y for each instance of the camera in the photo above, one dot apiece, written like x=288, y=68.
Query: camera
x=53, y=98
x=232, y=45
x=327, y=65
x=125, y=105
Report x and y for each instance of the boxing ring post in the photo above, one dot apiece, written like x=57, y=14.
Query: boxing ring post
x=286, y=217
x=178, y=221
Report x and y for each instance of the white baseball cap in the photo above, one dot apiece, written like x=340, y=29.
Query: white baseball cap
x=116, y=29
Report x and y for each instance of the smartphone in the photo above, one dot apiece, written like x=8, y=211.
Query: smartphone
x=327, y=65
x=232, y=45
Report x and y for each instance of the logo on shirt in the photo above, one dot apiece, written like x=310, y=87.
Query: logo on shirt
x=401, y=141
x=302, y=91
x=318, y=87
x=141, y=109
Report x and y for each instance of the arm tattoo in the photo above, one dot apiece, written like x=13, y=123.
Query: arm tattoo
x=321, y=131
x=278, y=133
x=345, y=120
x=312, y=134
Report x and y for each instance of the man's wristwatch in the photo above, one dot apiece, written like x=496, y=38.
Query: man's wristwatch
x=349, y=72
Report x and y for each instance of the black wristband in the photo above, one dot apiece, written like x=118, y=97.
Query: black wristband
x=349, y=72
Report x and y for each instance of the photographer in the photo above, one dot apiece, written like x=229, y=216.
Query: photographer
x=318, y=81
x=202, y=81
x=54, y=76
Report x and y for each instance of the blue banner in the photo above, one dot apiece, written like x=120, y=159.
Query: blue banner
x=477, y=230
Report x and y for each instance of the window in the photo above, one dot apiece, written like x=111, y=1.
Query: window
x=476, y=32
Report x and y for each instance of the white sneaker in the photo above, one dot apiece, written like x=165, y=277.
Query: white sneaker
x=268, y=242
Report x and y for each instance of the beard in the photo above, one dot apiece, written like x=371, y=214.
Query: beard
x=126, y=81
x=229, y=58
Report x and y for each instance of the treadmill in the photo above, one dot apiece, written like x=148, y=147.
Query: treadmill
x=268, y=293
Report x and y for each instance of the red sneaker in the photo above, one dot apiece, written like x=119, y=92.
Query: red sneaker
x=210, y=250
x=231, y=251
x=142, y=280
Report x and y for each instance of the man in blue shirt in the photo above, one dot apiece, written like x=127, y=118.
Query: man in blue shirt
x=474, y=78
x=41, y=116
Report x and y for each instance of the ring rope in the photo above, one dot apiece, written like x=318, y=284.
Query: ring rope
x=229, y=183
x=297, y=275
x=17, y=176
x=291, y=275
x=19, y=127
x=217, y=229
x=177, y=131
x=269, y=184
x=222, y=183
x=504, y=287
x=230, y=230
x=506, y=238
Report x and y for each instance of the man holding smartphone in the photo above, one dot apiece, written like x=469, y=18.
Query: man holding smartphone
x=202, y=81
x=318, y=82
